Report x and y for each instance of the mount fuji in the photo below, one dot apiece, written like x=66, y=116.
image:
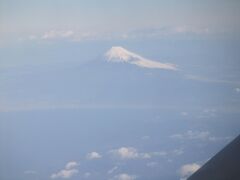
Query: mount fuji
x=119, y=54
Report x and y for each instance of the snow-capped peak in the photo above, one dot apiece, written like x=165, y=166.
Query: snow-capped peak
x=119, y=54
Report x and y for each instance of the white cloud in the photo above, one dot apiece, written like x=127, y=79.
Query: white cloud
x=188, y=169
x=69, y=171
x=71, y=35
x=119, y=54
x=64, y=173
x=67, y=33
x=71, y=165
x=124, y=176
x=132, y=153
x=129, y=153
x=93, y=155
x=126, y=152
x=50, y=35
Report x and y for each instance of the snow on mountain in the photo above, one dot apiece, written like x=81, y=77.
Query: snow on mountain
x=119, y=54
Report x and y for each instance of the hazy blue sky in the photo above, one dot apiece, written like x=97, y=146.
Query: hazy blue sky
x=116, y=90
x=29, y=17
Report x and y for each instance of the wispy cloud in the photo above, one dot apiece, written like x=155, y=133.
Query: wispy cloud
x=210, y=79
x=112, y=170
x=53, y=34
x=198, y=135
x=191, y=135
x=178, y=151
x=69, y=35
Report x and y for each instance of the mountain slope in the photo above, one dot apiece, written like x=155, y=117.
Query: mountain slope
x=119, y=54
